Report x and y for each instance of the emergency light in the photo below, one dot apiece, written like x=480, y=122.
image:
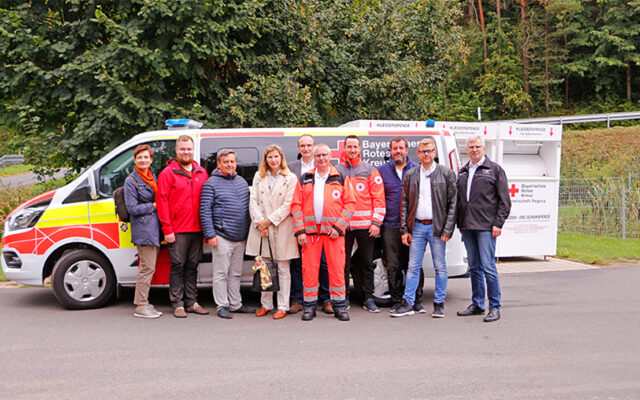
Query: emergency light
x=183, y=123
x=430, y=123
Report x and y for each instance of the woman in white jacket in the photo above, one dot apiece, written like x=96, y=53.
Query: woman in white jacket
x=270, y=210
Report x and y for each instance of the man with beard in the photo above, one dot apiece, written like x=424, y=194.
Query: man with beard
x=178, y=202
x=395, y=254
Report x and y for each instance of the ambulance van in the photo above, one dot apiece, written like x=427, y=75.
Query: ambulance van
x=73, y=235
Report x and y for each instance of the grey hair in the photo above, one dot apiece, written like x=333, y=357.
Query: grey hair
x=475, y=138
x=224, y=153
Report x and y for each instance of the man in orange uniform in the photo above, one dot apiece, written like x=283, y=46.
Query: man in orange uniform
x=322, y=207
x=368, y=190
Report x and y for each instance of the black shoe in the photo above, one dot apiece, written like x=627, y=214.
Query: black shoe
x=438, y=310
x=494, y=315
x=395, y=307
x=244, y=310
x=224, y=312
x=471, y=310
x=342, y=315
x=419, y=309
x=308, y=314
x=405, y=309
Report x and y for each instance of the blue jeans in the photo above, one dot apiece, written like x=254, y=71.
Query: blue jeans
x=420, y=237
x=481, y=250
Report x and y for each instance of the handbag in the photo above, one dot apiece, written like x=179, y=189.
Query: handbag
x=265, y=275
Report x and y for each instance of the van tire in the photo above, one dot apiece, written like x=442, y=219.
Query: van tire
x=83, y=279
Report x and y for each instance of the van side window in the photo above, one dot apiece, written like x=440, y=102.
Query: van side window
x=112, y=175
x=248, y=161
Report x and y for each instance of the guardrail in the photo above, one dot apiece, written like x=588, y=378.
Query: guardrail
x=11, y=159
x=578, y=119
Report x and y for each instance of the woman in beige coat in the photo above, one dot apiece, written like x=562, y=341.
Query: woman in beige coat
x=270, y=210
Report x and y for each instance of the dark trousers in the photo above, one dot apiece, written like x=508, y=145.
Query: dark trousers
x=295, y=266
x=361, y=267
x=396, y=260
x=185, y=255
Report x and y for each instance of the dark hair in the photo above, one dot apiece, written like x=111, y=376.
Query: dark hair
x=140, y=148
x=398, y=139
x=352, y=137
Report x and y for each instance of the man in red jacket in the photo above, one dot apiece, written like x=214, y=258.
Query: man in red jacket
x=178, y=201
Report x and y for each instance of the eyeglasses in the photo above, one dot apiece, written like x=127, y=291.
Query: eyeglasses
x=474, y=147
x=425, y=151
x=322, y=155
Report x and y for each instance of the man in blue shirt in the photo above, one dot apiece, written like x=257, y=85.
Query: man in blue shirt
x=395, y=254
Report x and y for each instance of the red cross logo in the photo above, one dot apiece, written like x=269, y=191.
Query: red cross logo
x=513, y=190
x=335, y=154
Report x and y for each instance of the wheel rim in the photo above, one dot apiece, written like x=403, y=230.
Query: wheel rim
x=85, y=280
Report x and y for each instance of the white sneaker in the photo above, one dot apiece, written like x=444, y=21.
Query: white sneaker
x=146, y=312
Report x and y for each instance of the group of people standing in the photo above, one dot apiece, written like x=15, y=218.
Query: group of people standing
x=307, y=216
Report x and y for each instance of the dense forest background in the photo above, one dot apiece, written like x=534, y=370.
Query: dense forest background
x=78, y=77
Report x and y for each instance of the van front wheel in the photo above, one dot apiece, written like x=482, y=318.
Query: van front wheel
x=83, y=279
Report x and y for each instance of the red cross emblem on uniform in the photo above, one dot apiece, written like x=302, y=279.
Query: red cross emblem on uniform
x=513, y=190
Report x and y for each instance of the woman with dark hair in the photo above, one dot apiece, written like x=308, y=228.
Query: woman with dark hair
x=140, y=190
x=270, y=210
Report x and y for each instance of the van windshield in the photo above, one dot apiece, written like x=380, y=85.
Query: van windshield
x=112, y=175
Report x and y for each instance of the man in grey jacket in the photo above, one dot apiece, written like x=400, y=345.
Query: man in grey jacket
x=427, y=217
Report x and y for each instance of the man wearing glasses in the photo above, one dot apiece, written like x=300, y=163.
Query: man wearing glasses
x=483, y=207
x=322, y=207
x=427, y=217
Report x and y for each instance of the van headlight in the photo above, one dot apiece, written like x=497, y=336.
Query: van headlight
x=25, y=218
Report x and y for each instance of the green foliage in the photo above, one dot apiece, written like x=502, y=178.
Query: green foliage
x=325, y=63
x=15, y=169
x=82, y=76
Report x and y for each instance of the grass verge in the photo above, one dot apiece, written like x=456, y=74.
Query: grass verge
x=15, y=169
x=597, y=250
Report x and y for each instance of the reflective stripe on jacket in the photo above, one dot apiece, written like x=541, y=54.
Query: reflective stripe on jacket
x=368, y=190
x=337, y=210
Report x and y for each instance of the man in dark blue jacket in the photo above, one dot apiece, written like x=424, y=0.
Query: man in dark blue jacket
x=224, y=215
x=395, y=254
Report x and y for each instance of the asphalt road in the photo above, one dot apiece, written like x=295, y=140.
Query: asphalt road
x=563, y=335
x=27, y=179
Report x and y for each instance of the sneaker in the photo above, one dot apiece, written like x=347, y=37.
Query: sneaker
x=244, y=310
x=438, y=310
x=493, y=315
x=395, y=306
x=405, y=309
x=154, y=309
x=179, y=312
x=197, y=309
x=223, y=312
x=419, y=308
x=146, y=312
x=370, y=305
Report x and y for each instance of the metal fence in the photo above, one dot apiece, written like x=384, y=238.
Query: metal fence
x=579, y=119
x=11, y=159
x=607, y=207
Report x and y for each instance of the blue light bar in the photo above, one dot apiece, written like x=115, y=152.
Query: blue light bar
x=183, y=123
x=430, y=123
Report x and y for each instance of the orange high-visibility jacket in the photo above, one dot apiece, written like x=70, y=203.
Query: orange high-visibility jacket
x=337, y=210
x=368, y=190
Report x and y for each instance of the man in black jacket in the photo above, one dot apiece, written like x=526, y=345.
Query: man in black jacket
x=483, y=207
x=427, y=217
